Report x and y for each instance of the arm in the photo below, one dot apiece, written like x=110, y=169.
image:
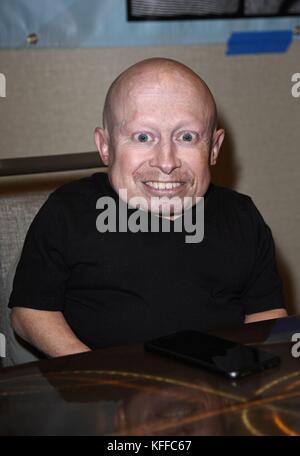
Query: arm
x=46, y=330
x=38, y=294
x=267, y=315
x=263, y=296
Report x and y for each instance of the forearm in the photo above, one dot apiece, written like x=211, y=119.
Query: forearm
x=47, y=331
x=267, y=315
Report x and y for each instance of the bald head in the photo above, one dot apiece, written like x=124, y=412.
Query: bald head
x=159, y=136
x=166, y=72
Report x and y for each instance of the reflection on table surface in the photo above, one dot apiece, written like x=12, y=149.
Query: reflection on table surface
x=126, y=391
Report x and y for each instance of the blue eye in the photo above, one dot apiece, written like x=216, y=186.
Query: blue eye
x=187, y=137
x=143, y=137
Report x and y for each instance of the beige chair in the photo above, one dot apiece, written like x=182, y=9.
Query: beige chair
x=16, y=214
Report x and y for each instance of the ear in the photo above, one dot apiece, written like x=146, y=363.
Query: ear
x=218, y=137
x=102, y=143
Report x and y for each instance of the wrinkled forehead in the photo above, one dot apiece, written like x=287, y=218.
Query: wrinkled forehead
x=164, y=92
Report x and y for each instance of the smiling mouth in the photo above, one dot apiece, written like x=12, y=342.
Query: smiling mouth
x=164, y=186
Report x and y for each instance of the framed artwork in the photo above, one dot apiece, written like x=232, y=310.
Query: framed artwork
x=151, y=10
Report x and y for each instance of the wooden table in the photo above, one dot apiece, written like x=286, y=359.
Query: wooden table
x=126, y=391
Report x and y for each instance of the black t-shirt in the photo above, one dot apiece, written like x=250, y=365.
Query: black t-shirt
x=122, y=287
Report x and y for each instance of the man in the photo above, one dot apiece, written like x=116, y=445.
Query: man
x=77, y=288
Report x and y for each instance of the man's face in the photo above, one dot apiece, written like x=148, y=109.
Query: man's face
x=161, y=144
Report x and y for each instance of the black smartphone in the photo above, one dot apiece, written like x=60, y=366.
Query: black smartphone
x=220, y=355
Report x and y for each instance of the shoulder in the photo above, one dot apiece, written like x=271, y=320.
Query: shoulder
x=85, y=187
x=78, y=192
x=237, y=212
x=229, y=199
x=233, y=208
x=72, y=198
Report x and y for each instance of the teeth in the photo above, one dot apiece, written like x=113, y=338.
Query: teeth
x=163, y=185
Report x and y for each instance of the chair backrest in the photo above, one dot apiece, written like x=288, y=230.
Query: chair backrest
x=16, y=215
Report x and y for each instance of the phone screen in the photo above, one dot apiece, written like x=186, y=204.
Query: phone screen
x=224, y=356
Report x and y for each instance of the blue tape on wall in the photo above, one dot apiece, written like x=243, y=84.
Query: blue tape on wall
x=259, y=42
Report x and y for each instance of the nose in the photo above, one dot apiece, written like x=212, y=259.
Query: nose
x=165, y=158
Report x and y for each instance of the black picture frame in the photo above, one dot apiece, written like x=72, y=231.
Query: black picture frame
x=239, y=15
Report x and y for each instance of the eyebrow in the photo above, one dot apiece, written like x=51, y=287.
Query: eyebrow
x=145, y=123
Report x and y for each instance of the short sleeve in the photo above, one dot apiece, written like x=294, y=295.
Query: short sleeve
x=42, y=272
x=264, y=288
